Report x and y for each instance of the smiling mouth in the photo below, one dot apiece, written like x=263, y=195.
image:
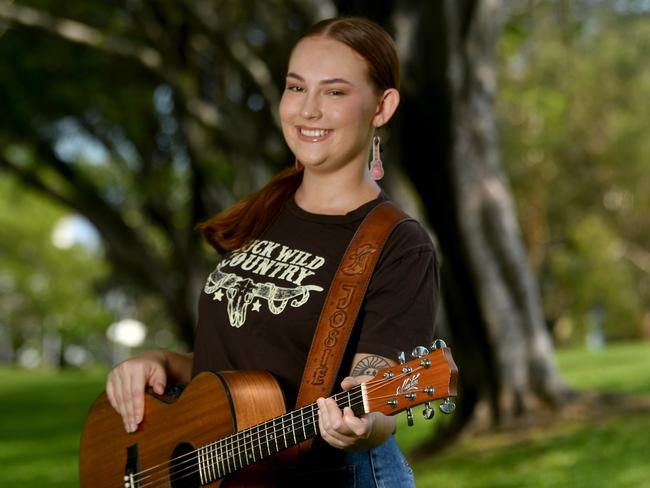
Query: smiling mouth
x=313, y=134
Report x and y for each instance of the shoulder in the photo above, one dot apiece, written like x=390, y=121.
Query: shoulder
x=408, y=239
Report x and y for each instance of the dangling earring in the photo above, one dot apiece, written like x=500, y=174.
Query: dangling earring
x=376, y=167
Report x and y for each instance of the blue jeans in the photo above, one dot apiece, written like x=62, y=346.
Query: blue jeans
x=382, y=467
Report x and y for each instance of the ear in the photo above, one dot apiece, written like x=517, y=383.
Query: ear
x=386, y=107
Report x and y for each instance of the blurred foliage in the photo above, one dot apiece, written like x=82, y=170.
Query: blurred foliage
x=573, y=101
x=146, y=118
x=45, y=292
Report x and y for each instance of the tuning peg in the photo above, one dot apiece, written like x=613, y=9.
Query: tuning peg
x=428, y=411
x=447, y=406
x=419, y=351
x=409, y=417
x=438, y=344
x=401, y=357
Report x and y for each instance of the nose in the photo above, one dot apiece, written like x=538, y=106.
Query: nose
x=311, y=108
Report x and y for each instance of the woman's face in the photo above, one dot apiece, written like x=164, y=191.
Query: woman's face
x=328, y=106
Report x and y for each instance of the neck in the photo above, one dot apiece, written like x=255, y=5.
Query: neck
x=336, y=193
x=227, y=455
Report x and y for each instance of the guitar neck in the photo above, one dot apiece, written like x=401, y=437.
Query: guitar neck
x=232, y=453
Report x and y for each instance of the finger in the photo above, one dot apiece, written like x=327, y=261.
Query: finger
x=349, y=382
x=114, y=392
x=110, y=393
x=359, y=427
x=334, y=424
x=137, y=402
x=127, y=402
x=157, y=380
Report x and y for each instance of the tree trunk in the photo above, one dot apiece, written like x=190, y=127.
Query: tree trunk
x=450, y=149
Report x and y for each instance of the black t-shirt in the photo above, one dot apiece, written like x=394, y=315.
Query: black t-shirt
x=260, y=306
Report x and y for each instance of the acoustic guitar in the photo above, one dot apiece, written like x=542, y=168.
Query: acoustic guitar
x=221, y=425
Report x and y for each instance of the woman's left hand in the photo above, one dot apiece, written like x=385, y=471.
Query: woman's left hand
x=344, y=430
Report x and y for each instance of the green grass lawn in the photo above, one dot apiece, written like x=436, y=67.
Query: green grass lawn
x=42, y=413
x=41, y=417
x=611, y=452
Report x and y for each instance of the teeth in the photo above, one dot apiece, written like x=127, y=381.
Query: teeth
x=313, y=132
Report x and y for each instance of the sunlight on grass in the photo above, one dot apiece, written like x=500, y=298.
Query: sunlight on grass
x=41, y=417
x=618, y=368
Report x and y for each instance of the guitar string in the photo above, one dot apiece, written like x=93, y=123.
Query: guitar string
x=230, y=446
x=193, y=467
x=211, y=478
x=263, y=440
x=286, y=419
x=233, y=445
x=215, y=473
x=233, y=455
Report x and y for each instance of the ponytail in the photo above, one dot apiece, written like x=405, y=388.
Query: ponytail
x=246, y=220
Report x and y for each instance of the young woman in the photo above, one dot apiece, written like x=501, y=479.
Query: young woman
x=282, y=245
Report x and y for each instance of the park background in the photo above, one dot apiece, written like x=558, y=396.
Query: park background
x=521, y=143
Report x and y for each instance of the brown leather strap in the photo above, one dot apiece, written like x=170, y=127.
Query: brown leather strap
x=344, y=301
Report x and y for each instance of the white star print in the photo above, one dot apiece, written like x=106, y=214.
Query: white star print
x=218, y=295
x=256, y=306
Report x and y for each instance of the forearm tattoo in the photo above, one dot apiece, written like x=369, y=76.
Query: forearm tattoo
x=369, y=366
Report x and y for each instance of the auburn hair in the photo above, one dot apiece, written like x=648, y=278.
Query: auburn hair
x=246, y=220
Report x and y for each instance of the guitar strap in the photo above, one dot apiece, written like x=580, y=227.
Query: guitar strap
x=343, y=302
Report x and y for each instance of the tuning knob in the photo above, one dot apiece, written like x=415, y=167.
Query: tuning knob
x=409, y=417
x=428, y=411
x=401, y=357
x=447, y=406
x=438, y=344
x=419, y=351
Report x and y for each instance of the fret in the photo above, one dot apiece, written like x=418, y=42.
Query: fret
x=229, y=470
x=302, y=421
x=199, y=459
x=205, y=463
x=221, y=468
x=293, y=429
x=275, y=437
x=267, y=439
x=250, y=449
x=213, y=461
x=239, y=439
x=284, y=432
x=259, y=441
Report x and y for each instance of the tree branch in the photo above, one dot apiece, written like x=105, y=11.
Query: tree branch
x=78, y=32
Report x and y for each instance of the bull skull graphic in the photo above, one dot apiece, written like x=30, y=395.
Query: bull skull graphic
x=242, y=291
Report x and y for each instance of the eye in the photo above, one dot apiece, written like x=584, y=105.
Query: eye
x=294, y=88
x=336, y=93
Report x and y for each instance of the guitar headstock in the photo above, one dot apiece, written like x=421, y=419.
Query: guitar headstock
x=430, y=376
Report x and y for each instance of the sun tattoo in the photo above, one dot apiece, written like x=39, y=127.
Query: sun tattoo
x=369, y=366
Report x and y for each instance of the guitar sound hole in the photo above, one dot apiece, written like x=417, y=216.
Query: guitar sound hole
x=184, y=472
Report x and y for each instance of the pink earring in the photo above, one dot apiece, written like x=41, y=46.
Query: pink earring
x=376, y=167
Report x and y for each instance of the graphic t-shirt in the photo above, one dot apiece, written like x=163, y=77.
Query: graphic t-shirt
x=260, y=306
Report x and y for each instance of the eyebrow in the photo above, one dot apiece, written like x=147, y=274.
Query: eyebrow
x=328, y=81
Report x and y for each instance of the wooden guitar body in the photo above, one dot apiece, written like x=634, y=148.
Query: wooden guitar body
x=212, y=406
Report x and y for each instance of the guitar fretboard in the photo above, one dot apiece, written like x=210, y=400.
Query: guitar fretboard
x=232, y=453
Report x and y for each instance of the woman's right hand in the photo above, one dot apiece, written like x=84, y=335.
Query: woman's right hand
x=127, y=381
